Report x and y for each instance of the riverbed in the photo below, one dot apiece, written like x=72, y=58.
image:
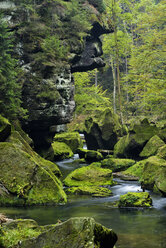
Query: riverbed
x=136, y=228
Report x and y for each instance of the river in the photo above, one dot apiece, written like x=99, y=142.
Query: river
x=136, y=228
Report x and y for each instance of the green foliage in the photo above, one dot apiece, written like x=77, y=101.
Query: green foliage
x=10, y=237
x=10, y=89
x=99, y=4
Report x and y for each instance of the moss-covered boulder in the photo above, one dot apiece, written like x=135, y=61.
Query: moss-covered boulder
x=135, y=170
x=27, y=178
x=73, y=233
x=162, y=152
x=141, y=199
x=5, y=128
x=72, y=139
x=132, y=144
x=154, y=174
x=61, y=150
x=91, y=175
x=116, y=164
x=81, y=152
x=102, y=131
x=152, y=147
x=95, y=191
x=93, y=156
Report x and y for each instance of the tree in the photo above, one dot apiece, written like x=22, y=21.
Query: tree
x=10, y=89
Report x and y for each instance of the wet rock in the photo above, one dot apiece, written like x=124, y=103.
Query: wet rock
x=73, y=233
x=116, y=164
x=141, y=199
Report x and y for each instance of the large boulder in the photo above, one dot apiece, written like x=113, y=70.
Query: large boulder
x=135, y=170
x=116, y=164
x=154, y=175
x=132, y=144
x=73, y=140
x=5, y=128
x=152, y=147
x=91, y=175
x=73, y=233
x=61, y=150
x=26, y=178
x=102, y=131
x=141, y=199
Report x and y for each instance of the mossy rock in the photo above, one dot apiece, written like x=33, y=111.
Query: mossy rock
x=89, y=175
x=72, y=139
x=135, y=170
x=95, y=191
x=162, y=152
x=102, y=131
x=152, y=147
x=75, y=232
x=132, y=144
x=5, y=128
x=61, y=150
x=154, y=175
x=93, y=156
x=29, y=178
x=82, y=152
x=116, y=164
x=141, y=199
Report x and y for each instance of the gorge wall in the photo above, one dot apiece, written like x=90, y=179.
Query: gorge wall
x=53, y=39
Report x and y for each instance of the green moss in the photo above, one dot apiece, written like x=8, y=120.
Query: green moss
x=89, y=175
x=82, y=152
x=162, y=152
x=136, y=169
x=92, y=156
x=152, y=147
x=30, y=178
x=72, y=139
x=154, y=174
x=116, y=164
x=61, y=150
x=119, y=148
x=130, y=199
x=95, y=191
x=12, y=233
x=5, y=128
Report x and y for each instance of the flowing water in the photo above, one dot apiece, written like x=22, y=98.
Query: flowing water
x=136, y=228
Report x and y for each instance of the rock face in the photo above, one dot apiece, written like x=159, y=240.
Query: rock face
x=48, y=85
x=142, y=199
x=73, y=233
x=102, y=131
